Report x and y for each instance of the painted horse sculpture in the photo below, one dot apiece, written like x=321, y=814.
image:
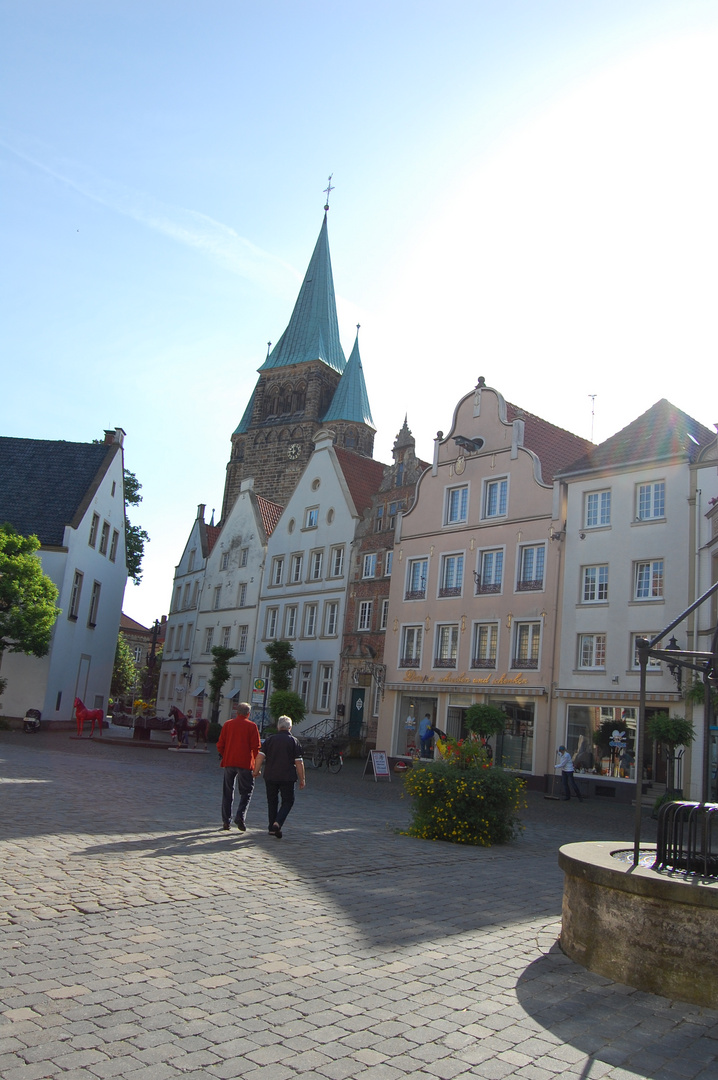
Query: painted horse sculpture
x=82, y=715
x=183, y=728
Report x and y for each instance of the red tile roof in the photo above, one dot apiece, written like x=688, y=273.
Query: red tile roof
x=554, y=447
x=270, y=513
x=363, y=476
x=663, y=431
x=213, y=532
x=126, y=623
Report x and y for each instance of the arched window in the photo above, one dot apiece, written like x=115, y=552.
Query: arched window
x=285, y=401
x=300, y=397
x=350, y=438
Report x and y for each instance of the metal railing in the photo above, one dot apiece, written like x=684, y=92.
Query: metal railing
x=688, y=838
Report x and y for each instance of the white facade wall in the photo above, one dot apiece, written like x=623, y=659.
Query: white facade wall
x=319, y=522
x=81, y=656
x=598, y=673
x=229, y=603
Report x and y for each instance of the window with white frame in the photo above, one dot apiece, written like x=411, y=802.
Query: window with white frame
x=648, y=580
x=594, y=584
x=243, y=639
x=393, y=510
x=304, y=682
x=447, y=646
x=94, y=604
x=597, y=509
x=178, y=598
x=195, y=594
x=591, y=651
x=315, y=566
x=532, y=558
x=491, y=571
x=496, y=498
x=188, y=636
x=416, y=579
x=653, y=663
x=311, y=517
x=485, y=644
x=388, y=563
x=243, y=556
x=271, y=624
x=217, y=598
x=74, y=608
x=242, y=597
x=105, y=538
x=290, y=621
x=337, y=561
x=331, y=618
x=310, y=620
x=185, y=596
x=226, y=635
x=451, y=575
x=527, y=641
x=651, y=500
x=208, y=638
x=94, y=526
x=180, y=632
x=384, y=615
x=379, y=519
x=369, y=565
x=163, y=690
x=326, y=672
x=170, y=640
x=224, y=560
x=192, y=557
x=411, y=638
x=277, y=570
x=457, y=505
x=297, y=562
x=364, y=620
x=113, y=545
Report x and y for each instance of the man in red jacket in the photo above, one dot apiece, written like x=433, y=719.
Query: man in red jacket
x=238, y=745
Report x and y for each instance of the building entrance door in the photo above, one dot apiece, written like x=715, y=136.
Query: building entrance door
x=356, y=712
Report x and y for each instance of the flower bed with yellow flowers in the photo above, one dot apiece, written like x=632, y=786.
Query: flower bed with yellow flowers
x=463, y=799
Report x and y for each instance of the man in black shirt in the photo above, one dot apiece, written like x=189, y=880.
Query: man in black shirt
x=281, y=755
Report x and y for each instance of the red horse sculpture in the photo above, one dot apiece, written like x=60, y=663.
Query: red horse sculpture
x=82, y=714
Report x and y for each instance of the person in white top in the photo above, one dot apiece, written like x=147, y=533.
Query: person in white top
x=565, y=764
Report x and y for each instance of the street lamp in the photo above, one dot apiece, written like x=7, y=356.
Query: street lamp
x=187, y=672
x=675, y=669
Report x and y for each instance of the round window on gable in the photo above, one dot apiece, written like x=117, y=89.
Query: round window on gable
x=290, y=526
x=330, y=517
x=315, y=484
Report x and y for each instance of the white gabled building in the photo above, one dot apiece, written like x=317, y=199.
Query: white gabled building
x=304, y=591
x=629, y=555
x=70, y=495
x=215, y=602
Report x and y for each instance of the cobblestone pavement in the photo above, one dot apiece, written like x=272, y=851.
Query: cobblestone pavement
x=140, y=942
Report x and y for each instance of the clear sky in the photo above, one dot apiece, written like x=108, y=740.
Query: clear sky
x=524, y=190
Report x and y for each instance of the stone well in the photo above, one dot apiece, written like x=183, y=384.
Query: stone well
x=655, y=931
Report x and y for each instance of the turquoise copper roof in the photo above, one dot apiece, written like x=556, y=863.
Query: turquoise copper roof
x=313, y=330
x=247, y=418
x=350, y=401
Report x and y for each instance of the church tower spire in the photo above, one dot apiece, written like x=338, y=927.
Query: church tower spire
x=349, y=414
x=296, y=391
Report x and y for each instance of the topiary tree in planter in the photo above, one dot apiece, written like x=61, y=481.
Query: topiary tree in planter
x=485, y=721
x=283, y=701
x=672, y=731
x=218, y=677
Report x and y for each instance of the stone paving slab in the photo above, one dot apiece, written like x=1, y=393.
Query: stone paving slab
x=138, y=941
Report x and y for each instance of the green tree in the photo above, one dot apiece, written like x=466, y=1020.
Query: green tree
x=28, y=597
x=218, y=677
x=485, y=720
x=282, y=664
x=124, y=671
x=135, y=537
x=283, y=701
x=672, y=731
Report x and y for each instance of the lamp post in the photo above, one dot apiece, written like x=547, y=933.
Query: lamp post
x=675, y=669
x=187, y=672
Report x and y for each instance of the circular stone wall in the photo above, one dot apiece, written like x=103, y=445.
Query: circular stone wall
x=656, y=932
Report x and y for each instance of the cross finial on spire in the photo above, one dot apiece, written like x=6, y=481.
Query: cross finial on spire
x=327, y=191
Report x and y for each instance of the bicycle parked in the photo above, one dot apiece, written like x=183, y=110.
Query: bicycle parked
x=329, y=753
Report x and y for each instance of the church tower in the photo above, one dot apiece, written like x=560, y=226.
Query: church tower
x=304, y=384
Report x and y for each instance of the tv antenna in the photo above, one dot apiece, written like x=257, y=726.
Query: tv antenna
x=593, y=411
